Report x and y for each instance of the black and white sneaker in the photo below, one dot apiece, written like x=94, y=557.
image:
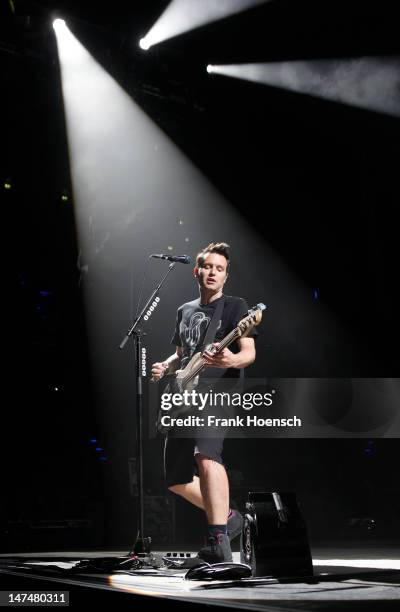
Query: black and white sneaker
x=218, y=549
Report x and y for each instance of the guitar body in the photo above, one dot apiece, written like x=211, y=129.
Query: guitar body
x=187, y=379
x=178, y=384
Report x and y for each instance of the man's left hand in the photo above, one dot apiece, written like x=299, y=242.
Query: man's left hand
x=224, y=359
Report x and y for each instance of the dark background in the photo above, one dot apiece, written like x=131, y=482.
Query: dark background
x=319, y=183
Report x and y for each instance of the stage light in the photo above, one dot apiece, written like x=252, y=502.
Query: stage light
x=365, y=82
x=209, y=68
x=7, y=185
x=58, y=24
x=182, y=16
x=144, y=44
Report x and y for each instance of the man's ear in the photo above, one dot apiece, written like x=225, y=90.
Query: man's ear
x=226, y=278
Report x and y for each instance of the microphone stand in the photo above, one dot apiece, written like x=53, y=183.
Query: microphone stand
x=142, y=543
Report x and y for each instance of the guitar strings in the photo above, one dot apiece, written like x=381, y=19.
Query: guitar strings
x=228, y=339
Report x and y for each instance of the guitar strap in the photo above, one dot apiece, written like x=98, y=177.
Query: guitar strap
x=213, y=324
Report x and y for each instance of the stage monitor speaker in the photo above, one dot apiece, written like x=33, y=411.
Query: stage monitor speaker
x=274, y=538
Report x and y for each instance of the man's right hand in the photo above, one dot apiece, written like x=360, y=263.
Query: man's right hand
x=158, y=370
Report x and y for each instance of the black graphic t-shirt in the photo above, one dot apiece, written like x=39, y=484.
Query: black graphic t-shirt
x=192, y=321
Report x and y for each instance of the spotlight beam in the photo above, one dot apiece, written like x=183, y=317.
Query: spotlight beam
x=181, y=16
x=372, y=83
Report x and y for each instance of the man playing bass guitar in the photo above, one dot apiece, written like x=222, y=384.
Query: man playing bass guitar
x=193, y=466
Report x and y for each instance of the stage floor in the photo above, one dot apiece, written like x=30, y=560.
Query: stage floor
x=358, y=577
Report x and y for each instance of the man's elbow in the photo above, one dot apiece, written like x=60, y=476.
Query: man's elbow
x=252, y=356
x=249, y=357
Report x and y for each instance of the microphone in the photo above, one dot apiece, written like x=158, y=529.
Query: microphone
x=185, y=259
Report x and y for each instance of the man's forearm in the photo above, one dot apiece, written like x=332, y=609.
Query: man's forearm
x=173, y=362
x=244, y=358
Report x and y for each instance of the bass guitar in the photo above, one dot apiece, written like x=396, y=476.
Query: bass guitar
x=187, y=379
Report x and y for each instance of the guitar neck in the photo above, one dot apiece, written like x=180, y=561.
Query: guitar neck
x=228, y=339
x=223, y=344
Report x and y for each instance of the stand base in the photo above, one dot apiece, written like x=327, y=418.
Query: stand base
x=142, y=546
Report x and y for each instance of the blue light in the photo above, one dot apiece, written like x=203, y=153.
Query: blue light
x=93, y=441
x=98, y=449
x=316, y=294
x=370, y=448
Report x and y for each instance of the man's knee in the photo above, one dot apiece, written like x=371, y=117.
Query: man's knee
x=204, y=463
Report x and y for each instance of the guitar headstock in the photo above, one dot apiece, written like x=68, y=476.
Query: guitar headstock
x=253, y=318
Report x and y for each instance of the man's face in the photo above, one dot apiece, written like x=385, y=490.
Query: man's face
x=213, y=273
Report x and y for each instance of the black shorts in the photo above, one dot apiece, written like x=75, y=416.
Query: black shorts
x=179, y=457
